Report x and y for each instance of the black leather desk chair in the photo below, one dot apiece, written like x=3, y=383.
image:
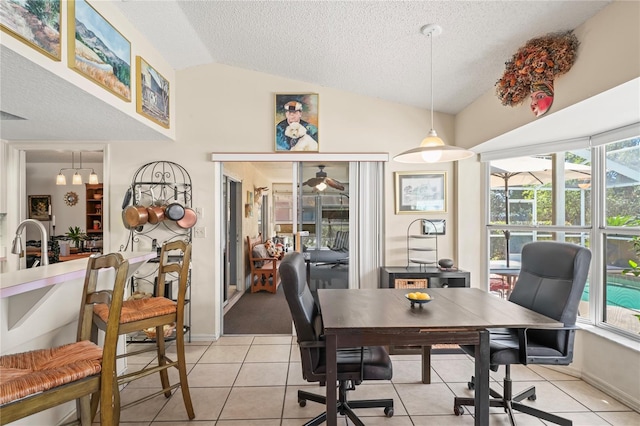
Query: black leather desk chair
x=354, y=364
x=551, y=281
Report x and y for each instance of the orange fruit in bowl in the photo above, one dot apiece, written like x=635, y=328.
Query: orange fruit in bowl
x=412, y=296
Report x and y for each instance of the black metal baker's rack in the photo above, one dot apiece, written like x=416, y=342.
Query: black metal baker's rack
x=159, y=183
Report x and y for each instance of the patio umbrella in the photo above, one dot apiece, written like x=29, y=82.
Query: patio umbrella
x=529, y=171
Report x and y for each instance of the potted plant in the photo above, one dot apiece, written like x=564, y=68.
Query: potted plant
x=76, y=235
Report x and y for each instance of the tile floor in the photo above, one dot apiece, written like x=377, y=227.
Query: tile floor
x=253, y=380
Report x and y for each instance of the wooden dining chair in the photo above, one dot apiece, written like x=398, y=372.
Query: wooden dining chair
x=158, y=312
x=34, y=381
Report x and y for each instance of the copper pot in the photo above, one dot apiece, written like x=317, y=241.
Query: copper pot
x=156, y=210
x=156, y=214
x=190, y=218
x=136, y=215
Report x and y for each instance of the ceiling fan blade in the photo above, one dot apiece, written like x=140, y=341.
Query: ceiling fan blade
x=314, y=181
x=334, y=184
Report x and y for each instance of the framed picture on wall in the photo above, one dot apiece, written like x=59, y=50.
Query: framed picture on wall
x=39, y=207
x=420, y=192
x=152, y=93
x=97, y=50
x=296, y=122
x=35, y=23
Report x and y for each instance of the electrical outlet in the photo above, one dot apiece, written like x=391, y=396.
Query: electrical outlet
x=199, y=232
x=199, y=212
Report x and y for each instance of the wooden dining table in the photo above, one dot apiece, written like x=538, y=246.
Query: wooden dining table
x=367, y=317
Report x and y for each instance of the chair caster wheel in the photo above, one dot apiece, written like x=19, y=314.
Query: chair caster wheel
x=471, y=385
x=388, y=411
x=458, y=410
x=532, y=397
x=302, y=402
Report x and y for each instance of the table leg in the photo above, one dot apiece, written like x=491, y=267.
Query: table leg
x=332, y=377
x=426, y=364
x=482, y=380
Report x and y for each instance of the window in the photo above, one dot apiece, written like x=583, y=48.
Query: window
x=560, y=196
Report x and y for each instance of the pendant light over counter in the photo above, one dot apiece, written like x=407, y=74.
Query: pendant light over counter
x=77, y=178
x=432, y=149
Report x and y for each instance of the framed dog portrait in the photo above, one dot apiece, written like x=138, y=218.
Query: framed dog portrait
x=296, y=122
x=39, y=207
x=421, y=192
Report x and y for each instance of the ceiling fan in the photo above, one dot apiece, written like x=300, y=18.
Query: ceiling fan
x=321, y=181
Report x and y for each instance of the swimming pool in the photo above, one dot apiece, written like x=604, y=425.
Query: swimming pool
x=621, y=292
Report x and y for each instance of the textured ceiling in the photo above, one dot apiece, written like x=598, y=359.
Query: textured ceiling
x=371, y=48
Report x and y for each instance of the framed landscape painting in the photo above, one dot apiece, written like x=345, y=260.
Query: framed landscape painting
x=296, y=121
x=97, y=50
x=421, y=192
x=152, y=93
x=36, y=23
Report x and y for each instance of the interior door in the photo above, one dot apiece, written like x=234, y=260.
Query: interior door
x=232, y=231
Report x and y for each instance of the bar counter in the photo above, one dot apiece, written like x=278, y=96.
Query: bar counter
x=18, y=282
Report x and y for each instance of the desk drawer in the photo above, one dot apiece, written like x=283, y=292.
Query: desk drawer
x=411, y=283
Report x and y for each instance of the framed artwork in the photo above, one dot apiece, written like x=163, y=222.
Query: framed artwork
x=152, y=93
x=39, y=207
x=36, y=23
x=421, y=192
x=296, y=122
x=97, y=50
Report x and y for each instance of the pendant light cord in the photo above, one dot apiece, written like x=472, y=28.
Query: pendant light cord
x=431, y=37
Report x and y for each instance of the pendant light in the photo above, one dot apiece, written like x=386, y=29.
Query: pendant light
x=432, y=149
x=77, y=178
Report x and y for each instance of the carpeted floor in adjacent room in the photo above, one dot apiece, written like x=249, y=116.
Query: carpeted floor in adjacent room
x=259, y=313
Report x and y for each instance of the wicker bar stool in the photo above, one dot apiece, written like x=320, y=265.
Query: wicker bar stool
x=34, y=381
x=158, y=312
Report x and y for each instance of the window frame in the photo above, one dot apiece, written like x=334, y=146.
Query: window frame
x=597, y=231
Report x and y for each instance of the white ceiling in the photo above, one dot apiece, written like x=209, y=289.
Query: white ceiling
x=371, y=48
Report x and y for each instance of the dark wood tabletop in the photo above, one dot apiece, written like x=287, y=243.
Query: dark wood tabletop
x=454, y=315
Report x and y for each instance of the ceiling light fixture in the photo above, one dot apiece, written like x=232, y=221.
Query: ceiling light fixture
x=432, y=149
x=321, y=181
x=77, y=178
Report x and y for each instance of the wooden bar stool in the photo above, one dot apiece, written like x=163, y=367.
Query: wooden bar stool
x=158, y=312
x=34, y=381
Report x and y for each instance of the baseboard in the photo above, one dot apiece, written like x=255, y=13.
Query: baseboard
x=605, y=387
x=204, y=337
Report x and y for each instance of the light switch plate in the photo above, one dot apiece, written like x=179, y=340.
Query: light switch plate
x=199, y=232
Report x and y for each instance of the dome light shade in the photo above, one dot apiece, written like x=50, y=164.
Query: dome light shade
x=432, y=149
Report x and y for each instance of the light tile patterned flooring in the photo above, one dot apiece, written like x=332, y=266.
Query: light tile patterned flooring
x=253, y=380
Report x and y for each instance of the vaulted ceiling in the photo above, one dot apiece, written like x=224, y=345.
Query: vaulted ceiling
x=374, y=48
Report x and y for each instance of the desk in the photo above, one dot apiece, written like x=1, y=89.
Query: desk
x=384, y=317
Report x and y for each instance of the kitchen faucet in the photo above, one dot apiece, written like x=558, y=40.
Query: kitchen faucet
x=16, y=246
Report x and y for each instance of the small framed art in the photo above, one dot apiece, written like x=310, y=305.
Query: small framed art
x=296, y=122
x=39, y=207
x=421, y=192
x=152, y=93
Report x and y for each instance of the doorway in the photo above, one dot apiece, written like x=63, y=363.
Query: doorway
x=233, y=286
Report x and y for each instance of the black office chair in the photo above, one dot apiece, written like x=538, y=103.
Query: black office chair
x=551, y=281
x=354, y=364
